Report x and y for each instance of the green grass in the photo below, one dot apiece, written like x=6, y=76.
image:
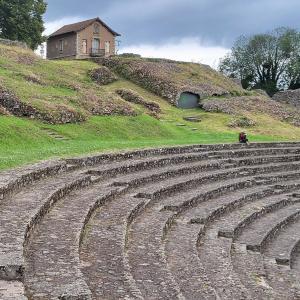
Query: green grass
x=24, y=141
x=60, y=82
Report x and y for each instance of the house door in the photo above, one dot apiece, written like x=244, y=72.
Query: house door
x=107, y=48
x=96, y=46
x=84, y=46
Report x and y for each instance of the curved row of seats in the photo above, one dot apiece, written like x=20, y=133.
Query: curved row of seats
x=194, y=222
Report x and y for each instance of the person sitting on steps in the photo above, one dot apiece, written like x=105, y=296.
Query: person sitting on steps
x=243, y=138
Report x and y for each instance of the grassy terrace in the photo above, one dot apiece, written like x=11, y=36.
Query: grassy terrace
x=24, y=141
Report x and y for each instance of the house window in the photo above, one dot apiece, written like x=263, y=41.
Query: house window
x=107, y=47
x=84, y=46
x=96, y=28
x=96, y=46
x=61, y=45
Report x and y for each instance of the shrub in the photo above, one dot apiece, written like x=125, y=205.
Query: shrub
x=133, y=97
x=241, y=122
x=103, y=75
x=130, y=55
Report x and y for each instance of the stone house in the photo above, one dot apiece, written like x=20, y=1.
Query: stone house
x=90, y=38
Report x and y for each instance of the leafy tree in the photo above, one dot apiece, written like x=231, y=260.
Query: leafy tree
x=22, y=20
x=268, y=61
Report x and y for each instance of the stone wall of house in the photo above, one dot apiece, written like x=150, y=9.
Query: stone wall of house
x=13, y=43
x=289, y=97
x=69, y=46
x=89, y=34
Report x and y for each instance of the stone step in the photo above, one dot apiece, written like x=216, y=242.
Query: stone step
x=139, y=154
x=214, y=253
x=13, y=180
x=137, y=165
x=285, y=244
x=40, y=216
x=248, y=161
x=148, y=234
x=130, y=214
x=145, y=233
x=190, y=167
x=250, y=268
x=234, y=223
x=214, y=209
x=154, y=175
x=188, y=182
x=147, y=266
x=257, y=234
x=184, y=264
x=104, y=263
x=284, y=282
x=134, y=165
x=180, y=231
x=172, y=171
x=65, y=264
x=200, y=193
x=11, y=290
x=54, y=247
x=111, y=157
x=263, y=159
x=269, y=280
x=192, y=118
x=295, y=257
x=21, y=213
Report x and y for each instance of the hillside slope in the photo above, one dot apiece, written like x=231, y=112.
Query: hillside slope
x=68, y=112
x=53, y=91
x=169, y=79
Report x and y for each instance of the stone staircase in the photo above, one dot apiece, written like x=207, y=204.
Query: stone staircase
x=193, y=222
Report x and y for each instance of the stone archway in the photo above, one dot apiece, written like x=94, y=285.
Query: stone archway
x=188, y=100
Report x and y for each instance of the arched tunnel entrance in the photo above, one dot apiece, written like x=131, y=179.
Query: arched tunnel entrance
x=188, y=100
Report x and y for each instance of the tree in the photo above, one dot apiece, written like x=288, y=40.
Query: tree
x=22, y=20
x=268, y=61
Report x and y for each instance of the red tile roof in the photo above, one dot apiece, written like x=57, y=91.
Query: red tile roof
x=76, y=27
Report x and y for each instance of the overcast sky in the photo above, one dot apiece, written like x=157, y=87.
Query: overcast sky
x=190, y=30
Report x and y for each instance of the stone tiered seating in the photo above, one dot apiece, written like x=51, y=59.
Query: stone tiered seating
x=194, y=222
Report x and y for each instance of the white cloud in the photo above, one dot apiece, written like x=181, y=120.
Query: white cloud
x=191, y=49
x=187, y=49
x=56, y=24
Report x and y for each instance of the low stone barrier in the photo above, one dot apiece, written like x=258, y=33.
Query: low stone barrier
x=13, y=43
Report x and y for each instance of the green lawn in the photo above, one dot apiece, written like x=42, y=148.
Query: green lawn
x=24, y=141
x=49, y=85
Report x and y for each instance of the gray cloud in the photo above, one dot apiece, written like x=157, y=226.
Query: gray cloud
x=215, y=22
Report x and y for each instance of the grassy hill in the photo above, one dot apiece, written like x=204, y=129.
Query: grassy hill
x=66, y=113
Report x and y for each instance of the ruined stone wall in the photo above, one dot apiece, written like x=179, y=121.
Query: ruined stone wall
x=158, y=76
x=289, y=97
x=13, y=43
x=12, y=104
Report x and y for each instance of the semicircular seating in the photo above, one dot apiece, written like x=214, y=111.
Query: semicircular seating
x=193, y=222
